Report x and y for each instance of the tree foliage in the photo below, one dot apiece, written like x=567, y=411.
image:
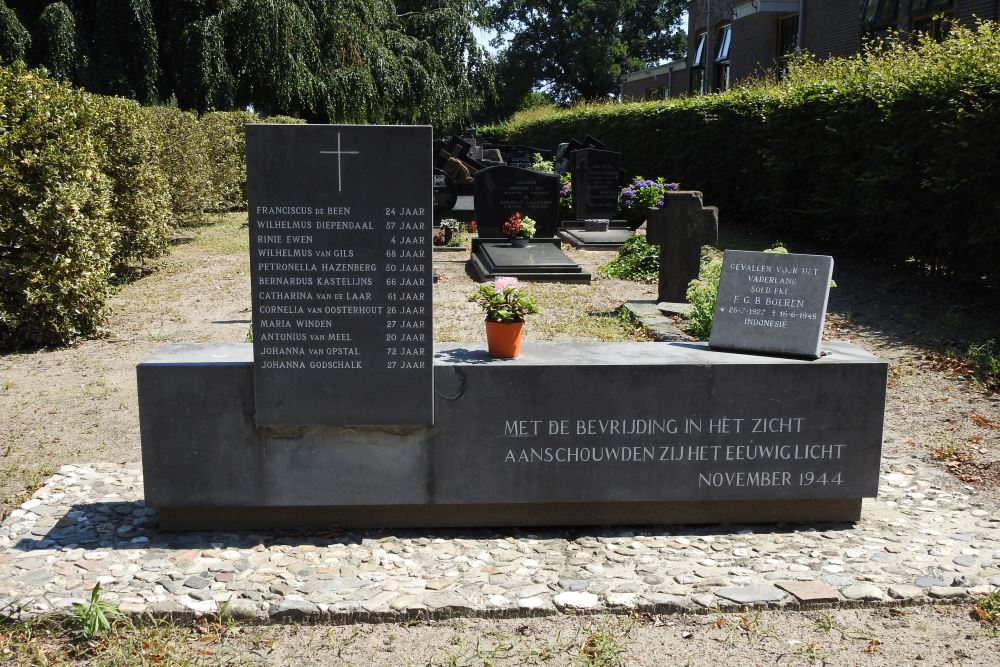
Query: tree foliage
x=56, y=43
x=14, y=38
x=579, y=49
x=410, y=61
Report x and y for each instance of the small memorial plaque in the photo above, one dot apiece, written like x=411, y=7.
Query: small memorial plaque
x=773, y=303
x=340, y=255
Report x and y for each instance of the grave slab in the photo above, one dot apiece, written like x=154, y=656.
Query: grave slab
x=612, y=239
x=541, y=259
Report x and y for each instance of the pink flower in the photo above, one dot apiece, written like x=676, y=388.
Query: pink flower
x=504, y=282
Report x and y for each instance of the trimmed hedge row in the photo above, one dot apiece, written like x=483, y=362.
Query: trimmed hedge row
x=892, y=153
x=90, y=186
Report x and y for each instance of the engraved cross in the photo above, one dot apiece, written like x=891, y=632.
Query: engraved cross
x=338, y=153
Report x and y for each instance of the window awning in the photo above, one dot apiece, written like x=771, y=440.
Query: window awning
x=744, y=9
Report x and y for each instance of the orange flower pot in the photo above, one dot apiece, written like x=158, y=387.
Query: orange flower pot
x=504, y=339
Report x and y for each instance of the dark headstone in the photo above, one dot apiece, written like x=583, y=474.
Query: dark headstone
x=502, y=191
x=773, y=303
x=595, y=183
x=681, y=228
x=445, y=194
x=340, y=274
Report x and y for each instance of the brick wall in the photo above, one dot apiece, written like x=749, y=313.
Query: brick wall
x=833, y=27
x=965, y=10
x=636, y=89
x=700, y=21
x=755, y=45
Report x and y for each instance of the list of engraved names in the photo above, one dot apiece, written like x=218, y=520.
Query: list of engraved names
x=326, y=278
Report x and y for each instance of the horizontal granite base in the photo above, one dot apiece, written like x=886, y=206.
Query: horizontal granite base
x=565, y=434
x=841, y=510
x=578, y=237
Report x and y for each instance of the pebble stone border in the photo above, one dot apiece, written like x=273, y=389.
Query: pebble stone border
x=925, y=539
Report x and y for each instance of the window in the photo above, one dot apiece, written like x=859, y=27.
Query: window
x=788, y=39
x=698, y=64
x=879, y=14
x=724, y=39
x=699, y=51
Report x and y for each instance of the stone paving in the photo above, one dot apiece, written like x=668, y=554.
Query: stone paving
x=925, y=538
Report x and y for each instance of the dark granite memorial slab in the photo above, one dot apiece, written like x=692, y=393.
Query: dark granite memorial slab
x=772, y=303
x=503, y=190
x=595, y=183
x=541, y=259
x=341, y=274
x=692, y=435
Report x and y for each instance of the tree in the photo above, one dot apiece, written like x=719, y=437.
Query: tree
x=579, y=49
x=125, y=50
x=446, y=26
x=56, y=44
x=14, y=39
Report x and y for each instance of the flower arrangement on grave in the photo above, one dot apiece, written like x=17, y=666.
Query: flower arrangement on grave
x=518, y=226
x=538, y=163
x=566, y=194
x=472, y=227
x=643, y=194
x=505, y=305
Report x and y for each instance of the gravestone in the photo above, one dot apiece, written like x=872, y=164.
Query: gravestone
x=595, y=183
x=680, y=228
x=340, y=274
x=445, y=194
x=499, y=193
x=504, y=190
x=773, y=303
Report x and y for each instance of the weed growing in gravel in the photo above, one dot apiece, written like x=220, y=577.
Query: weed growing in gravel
x=986, y=357
x=605, y=643
x=987, y=610
x=94, y=618
x=747, y=627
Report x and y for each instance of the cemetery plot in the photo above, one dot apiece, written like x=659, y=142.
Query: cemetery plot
x=499, y=193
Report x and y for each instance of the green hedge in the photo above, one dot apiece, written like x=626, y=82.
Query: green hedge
x=227, y=155
x=56, y=235
x=892, y=153
x=92, y=186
